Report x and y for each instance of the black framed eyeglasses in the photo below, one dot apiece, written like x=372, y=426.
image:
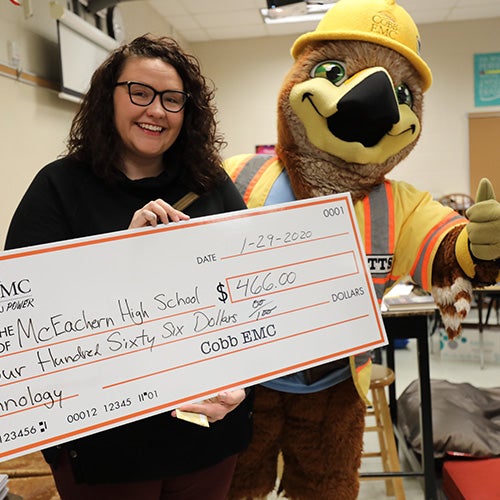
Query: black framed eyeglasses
x=143, y=95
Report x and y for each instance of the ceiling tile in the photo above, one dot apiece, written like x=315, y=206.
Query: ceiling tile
x=170, y=8
x=223, y=19
x=183, y=23
x=229, y=19
x=236, y=32
x=471, y=12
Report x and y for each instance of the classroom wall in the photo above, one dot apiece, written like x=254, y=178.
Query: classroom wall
x=34, y=121
x=248, y=74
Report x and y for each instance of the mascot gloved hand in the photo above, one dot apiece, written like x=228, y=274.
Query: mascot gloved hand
x=349, y=111
x=483, y=230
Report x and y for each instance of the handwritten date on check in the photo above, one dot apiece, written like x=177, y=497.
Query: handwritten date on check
x=97, y=332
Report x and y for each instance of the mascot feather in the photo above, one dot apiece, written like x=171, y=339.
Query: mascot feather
x=349, y=111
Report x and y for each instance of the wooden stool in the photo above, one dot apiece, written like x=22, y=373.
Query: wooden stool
x=381, y=378
x=30, y=477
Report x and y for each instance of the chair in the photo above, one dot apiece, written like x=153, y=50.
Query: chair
x=381, y=378
x=489, y=297
x=460, y=202
x=493, y=302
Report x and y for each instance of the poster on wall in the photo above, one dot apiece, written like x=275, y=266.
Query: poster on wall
x=265, y=149
x=487, y=79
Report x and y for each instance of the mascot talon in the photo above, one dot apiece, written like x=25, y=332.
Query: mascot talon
x=349, y=111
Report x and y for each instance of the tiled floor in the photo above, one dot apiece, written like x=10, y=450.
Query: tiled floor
x=441, y=368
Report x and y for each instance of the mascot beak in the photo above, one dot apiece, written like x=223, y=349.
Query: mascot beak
x=367, y=112
x=360, y=120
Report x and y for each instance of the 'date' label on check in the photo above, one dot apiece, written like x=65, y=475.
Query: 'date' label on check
x=97, y=332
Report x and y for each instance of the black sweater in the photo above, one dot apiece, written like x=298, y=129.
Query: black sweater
x=66, y=200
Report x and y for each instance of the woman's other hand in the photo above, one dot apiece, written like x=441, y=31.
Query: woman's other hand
x=156, y=212
x=218, y=407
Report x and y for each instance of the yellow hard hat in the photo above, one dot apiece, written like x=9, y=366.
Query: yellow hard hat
x=379, y=21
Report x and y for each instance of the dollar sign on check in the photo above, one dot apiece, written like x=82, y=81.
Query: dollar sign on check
x=222, y=292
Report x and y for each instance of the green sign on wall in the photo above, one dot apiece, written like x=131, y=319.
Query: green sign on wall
x=487, y=79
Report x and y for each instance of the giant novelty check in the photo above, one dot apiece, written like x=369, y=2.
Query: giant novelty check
x=96, y=332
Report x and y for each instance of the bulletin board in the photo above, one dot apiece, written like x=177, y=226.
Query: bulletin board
x=484, y=150
x=487, y=79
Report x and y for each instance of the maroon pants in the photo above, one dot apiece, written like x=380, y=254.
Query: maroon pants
x=210, y=484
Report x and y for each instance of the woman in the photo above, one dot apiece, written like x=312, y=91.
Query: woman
x=144, y=137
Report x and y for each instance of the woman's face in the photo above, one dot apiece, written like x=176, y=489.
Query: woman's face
x=147, y=132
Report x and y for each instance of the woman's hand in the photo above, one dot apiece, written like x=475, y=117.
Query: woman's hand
x=156, y=212
x=218, y=407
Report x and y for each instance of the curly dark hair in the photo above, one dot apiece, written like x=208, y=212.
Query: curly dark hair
x=94, y=140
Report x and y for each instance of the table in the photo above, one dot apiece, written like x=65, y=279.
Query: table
x=408, y=324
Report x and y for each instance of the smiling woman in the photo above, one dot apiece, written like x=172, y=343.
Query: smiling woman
x=146, y=127
x=144, y=138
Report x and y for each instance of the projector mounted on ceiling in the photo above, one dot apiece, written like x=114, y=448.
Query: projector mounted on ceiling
x=291, y=11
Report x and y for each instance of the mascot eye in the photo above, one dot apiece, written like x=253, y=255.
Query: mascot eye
x=332, y=70
x=403, y=94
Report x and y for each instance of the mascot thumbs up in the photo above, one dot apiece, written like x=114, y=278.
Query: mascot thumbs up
x=349, y=111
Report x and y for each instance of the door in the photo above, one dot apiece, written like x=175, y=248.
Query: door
x=484, y=150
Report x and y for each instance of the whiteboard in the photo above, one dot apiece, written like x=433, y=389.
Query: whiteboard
x=82, y=48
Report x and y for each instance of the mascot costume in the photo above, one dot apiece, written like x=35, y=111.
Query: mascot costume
x=349, y=110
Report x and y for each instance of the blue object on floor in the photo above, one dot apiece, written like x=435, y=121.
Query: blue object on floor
x=400, y=343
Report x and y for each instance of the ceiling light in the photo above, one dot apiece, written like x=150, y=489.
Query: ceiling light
x=295, y=12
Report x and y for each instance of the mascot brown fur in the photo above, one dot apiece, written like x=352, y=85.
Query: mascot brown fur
x=349, y=111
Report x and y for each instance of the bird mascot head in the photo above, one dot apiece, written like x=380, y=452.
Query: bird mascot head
x=353, y=98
